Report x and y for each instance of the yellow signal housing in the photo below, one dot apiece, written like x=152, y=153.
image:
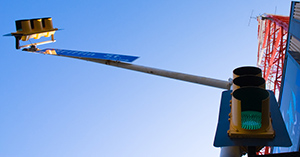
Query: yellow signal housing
x=34, y=28
x=246, y=70
x=250, y=106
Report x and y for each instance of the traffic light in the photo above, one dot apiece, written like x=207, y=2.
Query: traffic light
x=34, y=28
x=250, y=105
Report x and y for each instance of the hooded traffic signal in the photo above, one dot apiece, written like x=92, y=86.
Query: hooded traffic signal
x=33, y=29
x=250, y=105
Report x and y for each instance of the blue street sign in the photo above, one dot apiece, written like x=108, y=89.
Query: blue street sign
x=85, y=54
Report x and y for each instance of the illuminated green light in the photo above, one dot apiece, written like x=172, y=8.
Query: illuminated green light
x=251, y=120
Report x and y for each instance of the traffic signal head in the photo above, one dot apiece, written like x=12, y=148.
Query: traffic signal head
x=250, y=106
x=34, y=28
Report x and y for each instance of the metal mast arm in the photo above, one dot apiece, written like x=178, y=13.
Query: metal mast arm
x=170, y=74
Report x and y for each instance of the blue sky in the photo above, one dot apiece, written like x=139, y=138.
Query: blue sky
x=62, y=107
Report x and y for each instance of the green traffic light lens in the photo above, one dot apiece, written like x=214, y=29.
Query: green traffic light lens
x=251, y=120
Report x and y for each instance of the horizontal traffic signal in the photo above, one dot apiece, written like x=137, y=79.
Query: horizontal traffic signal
x=34, y=28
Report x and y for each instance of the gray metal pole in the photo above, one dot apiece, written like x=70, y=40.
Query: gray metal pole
x=232, y=151
x=170, y=74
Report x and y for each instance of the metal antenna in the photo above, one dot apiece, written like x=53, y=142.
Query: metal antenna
x=251, y=17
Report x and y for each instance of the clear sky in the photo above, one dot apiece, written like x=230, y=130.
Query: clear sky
x=61, y=107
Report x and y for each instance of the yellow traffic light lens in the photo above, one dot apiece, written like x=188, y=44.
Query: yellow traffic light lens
x=251, y=120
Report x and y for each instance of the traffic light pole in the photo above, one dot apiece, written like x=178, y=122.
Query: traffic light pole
x=165, y=73
x=251, y=151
